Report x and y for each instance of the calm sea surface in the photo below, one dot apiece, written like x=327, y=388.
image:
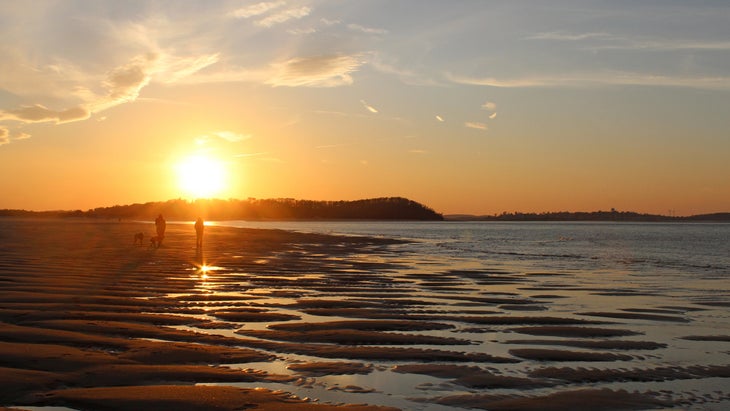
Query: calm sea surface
x=697, y=250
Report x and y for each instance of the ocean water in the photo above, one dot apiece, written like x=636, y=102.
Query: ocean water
x=694, y=250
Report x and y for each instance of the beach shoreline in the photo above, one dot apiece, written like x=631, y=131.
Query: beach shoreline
x=90, y=320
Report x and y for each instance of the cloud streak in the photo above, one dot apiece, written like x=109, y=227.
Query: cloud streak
x=271, y=13
x=610, y=41
x=257, y=9
x=315, y=71
x=37, y=114
x=476, y=125
x=597, y=79
x=489, y=106
x=284, y=16
x=368, y=107
x=4, y=136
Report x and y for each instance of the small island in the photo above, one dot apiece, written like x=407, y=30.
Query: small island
x=385, y=208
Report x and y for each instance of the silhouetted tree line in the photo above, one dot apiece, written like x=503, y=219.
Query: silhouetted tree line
x=390, y=208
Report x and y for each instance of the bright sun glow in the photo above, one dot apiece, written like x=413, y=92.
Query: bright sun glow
x=201, y=176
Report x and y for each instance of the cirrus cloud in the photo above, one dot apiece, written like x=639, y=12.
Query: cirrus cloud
x=489, y=106
x=316, y=71
x=284, y=16
x=475, y=125
x=368, y=107
x=257, y=9
x=607, y=78
x=270, y=13
x=37, y=113
x=4, y=136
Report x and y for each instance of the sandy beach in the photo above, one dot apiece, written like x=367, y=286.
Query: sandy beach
x=261, y=318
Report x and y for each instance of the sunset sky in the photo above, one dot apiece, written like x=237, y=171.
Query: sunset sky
x=466, y=106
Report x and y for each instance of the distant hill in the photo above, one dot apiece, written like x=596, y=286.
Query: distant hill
x=612, y=215
x=390, y=208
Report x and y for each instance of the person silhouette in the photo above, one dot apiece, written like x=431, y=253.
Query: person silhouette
x=199, y=227
x=160, y=225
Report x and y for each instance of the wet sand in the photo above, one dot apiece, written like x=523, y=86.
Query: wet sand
x=283, y=320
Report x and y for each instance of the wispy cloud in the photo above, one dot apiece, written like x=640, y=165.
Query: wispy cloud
x=302, y=31
x=492, y=107
x=608, y=41
x=284, y=16
x=598, y=79
x=475, y=125
x=177, y=68
x=489, y=106
x=407, y=76
x=317, y=71
x=368, y=107
x=37, y=114
x=125, y=82
x=271, y=13
x=6, y=137
x=257, y=9
x=418, y=151
x=567, y=36
x=664, y=45
x=440, y=119
x=367, y=30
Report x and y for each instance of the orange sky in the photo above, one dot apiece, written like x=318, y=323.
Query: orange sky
x=489, y=110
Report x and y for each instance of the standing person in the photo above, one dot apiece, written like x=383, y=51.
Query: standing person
x=199, y=227
x=160, y=225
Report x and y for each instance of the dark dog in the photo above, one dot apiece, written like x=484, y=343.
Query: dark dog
x=139, y=238
x=155, y=241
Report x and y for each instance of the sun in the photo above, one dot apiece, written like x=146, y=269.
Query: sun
x=201, y=176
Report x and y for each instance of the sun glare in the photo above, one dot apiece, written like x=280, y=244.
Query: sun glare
x=201, y=176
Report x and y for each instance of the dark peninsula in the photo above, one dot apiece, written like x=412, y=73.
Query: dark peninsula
x=386, y=208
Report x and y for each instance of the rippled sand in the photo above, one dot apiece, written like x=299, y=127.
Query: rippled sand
x=89, y=320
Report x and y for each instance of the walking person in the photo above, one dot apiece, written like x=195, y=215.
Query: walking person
x=199, y=227
x=160, y=225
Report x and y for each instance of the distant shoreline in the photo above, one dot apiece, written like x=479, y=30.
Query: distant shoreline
x=704, y=218
x=374, y=209
x=595, y=216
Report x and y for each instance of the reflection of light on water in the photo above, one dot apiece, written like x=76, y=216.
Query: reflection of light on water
x=204, y=270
